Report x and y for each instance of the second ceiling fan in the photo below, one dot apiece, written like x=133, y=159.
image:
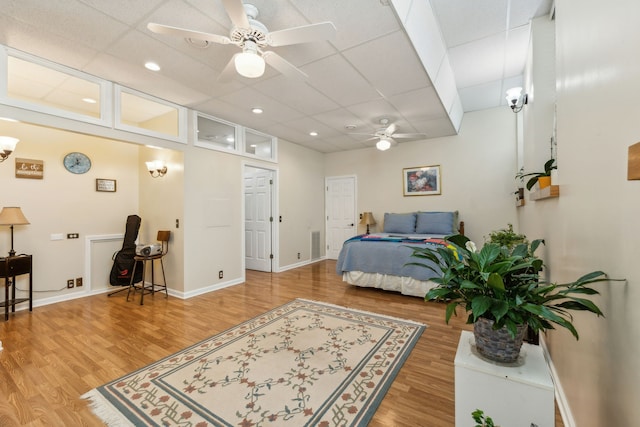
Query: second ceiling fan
x=253, y=37
x=387, y=135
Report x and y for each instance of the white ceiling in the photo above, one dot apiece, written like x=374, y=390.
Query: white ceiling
x=368, y=72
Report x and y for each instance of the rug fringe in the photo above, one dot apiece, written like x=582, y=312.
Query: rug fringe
x=399, y=319
x=104, y=410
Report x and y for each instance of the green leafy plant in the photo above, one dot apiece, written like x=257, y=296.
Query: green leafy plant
x=504, y=285
x=481, y=419
x=548, y=167
x=507, y=237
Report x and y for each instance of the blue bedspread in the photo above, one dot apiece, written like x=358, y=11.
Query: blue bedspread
x=385, y=256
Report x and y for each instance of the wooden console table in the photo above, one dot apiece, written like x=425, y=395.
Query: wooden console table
x=10, y=267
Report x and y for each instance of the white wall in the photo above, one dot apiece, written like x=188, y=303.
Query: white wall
x=593, y=225
x=477, y=172
x=64, y=203
x=301, y=202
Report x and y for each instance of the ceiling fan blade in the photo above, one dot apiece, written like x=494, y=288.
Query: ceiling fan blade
x=303, y=34
x=284, y=66
x=409, y=135
x=235, y=10
x=187, y=34
x=390, y=130
x=229, y=71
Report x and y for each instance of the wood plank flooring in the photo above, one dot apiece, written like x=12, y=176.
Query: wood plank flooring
x=58, y=352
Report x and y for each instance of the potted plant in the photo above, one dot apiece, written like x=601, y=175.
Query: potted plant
x=501, y=290
x=507, y=237
x=544, y=178
x=481, y=419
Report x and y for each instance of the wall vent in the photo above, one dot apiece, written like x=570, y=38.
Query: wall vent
x=315, y=245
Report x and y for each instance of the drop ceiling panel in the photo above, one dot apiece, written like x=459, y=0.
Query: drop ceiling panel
x=274, y=111
x=339, y=118
x=126, y=11
x=479, y=61
x=357, y=21
x=337, y=79
x=424, y=32
x=482, y=96
x=73, y=20
x=389, y=63
x=297, y=95
x=419, y=104
x=464, y=20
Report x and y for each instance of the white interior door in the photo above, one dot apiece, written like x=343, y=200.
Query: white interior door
x=341, y=213
x=258, y=184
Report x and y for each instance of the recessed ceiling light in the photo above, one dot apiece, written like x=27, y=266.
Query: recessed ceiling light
x=256, y=110
x=313, y=133
x=89, y=100
x=152, y=66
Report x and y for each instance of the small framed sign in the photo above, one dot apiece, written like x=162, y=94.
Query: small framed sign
x=108, y=185
x=29, y=168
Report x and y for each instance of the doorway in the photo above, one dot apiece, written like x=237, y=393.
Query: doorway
x=341, y=212
x=259, y=218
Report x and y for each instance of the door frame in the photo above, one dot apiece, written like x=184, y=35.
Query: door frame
x=326, y=206
x=275, y=225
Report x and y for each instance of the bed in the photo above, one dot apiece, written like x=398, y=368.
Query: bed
x=379, y=260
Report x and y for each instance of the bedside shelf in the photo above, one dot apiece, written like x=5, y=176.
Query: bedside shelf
x=546, y=193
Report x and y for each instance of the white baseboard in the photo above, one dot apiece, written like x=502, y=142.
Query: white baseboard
x=299, y=264
x=561, y=397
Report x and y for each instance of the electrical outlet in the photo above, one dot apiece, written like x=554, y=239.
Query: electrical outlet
x=70, y=283
x=220, y=274
x=78, y=281
x=298, y=255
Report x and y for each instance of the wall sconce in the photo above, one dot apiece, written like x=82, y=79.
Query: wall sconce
x=367, y=219
x=156, y=168
x=7, y=145
x=12, y=216
x=516, y=99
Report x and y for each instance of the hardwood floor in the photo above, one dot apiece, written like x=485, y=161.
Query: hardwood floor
x=58, y=352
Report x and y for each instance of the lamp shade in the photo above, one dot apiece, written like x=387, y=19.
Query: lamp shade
x=154, y=165
x=249, y=64
x=383, y=144
x=8, y=143
x=513, y=95
x=12, y=216
x=367, y=219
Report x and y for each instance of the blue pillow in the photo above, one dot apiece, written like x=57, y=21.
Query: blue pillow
x=400, y=223
x=435, y=223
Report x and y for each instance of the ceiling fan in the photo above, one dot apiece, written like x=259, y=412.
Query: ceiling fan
x=387, y=135
x=253, y=37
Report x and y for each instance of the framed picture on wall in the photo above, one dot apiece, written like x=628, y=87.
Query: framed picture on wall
x=421, y=181
x=108, y=185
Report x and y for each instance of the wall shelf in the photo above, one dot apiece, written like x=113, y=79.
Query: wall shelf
x=546, y=193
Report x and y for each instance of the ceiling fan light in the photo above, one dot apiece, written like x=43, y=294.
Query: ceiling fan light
x=249, y=65
x=383, y=144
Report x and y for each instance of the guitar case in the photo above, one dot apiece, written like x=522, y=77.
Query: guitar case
x=123, y=261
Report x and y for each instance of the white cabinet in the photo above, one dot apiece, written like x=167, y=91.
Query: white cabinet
x=513, y=396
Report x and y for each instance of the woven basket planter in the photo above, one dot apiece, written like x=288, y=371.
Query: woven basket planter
x=497, y=345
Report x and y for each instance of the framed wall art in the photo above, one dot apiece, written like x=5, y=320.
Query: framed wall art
x=108, y=185
x=421, y=181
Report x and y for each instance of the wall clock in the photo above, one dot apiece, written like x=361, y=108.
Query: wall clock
x=77, y=162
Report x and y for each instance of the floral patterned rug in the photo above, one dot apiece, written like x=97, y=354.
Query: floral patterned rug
x=302, y=364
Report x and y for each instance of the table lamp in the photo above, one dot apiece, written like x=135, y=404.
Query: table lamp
x=12, y=216
x=367, y=219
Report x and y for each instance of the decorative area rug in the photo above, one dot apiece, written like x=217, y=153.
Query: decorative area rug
x=302, y=364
